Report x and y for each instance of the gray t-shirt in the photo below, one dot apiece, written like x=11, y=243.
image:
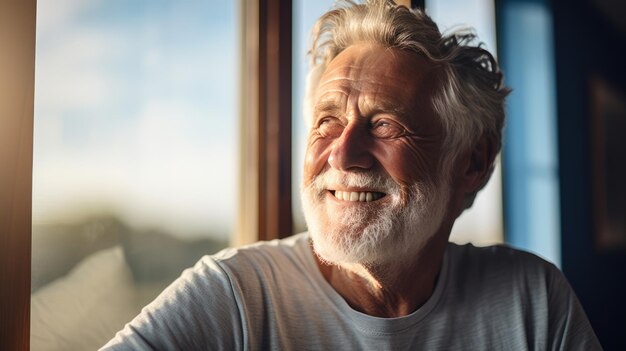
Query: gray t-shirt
x=272, y=296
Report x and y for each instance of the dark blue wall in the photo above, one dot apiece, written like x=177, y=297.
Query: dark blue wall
x=586, y=44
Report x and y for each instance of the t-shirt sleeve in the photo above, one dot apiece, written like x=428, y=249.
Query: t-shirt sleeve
x=569, y=328
x=197, y=311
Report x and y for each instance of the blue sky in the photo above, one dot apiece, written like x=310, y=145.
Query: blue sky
x=136, y=112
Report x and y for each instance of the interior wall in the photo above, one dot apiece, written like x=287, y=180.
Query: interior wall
x=587, y=45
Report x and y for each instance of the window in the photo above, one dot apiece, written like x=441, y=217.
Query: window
x=531, y=154
x=135, y=157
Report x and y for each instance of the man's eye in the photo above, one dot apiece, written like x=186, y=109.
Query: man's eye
x=330, y=127
x=386, y=130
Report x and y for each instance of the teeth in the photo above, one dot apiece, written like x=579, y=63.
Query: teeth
x=363, y=196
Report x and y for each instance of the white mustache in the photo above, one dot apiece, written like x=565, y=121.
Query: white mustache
x=333, y=178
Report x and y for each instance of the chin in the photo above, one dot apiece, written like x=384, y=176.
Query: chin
x=396, y=232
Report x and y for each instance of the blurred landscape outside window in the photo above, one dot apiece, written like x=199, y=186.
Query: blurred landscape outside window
x=482, y=224
x=135, y=157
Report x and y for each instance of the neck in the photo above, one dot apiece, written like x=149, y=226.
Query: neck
x=391, y=289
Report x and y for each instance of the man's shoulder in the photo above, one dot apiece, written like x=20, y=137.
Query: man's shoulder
x=501, y=281
x=262, y=260
x=293, y=246
x=495, y=254
x=499, y=261
x=515, y=287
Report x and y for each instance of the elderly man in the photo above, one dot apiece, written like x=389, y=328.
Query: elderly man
x=404, y=128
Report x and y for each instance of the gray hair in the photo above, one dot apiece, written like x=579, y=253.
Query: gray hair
x=470, y=98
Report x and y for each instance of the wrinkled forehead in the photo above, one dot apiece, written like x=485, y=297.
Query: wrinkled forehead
x=370, y=62
x=376, y=60
x=396, y=76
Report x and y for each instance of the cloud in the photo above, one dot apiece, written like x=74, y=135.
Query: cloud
x=52, y=14
x=73, y=74
x=130, y=120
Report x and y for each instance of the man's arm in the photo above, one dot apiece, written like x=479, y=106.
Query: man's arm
x=198, y=311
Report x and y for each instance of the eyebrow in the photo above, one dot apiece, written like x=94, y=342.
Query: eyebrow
x=328, y=106
x=333, y=107
x=371, y=107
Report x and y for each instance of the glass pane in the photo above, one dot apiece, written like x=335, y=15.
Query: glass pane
x=305, y=13
x=533, y=206
x=135, y=160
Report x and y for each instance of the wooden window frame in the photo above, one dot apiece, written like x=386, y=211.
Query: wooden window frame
x=265, y=210
x=17, y=90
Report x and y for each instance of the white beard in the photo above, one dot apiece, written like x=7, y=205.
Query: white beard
x=360, y=235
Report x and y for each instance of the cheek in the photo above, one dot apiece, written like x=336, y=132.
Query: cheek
x=407, y=162
x=315, y=159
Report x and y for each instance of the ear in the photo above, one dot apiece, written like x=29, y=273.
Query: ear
x=478, y=165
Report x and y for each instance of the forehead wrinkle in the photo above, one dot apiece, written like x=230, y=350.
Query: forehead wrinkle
x=343, y=70
x=355, y=76
x=349, y=84
x=336, y=101
x=362, y=87
x=331, y=101
x=329, y=107
x=381, y=102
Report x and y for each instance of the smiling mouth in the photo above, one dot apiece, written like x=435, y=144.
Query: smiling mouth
x=357, y=196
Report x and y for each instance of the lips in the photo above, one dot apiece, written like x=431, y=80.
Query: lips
x=357, y=196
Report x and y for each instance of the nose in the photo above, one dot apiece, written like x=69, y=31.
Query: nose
x=350, y=151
